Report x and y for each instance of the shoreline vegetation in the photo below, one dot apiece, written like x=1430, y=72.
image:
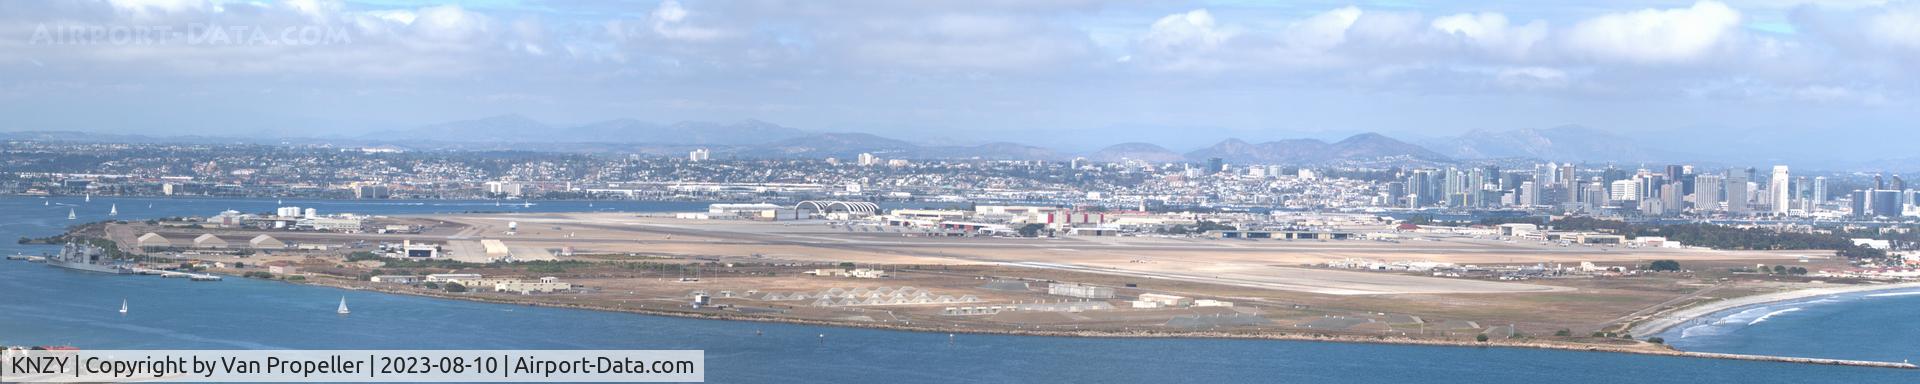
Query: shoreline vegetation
x=1643, y=349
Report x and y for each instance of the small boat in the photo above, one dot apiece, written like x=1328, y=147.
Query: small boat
x=123, y=306
x=526, y=204
x=89, y=198
x=343, y=306
x=114, y=210
x=70, y=215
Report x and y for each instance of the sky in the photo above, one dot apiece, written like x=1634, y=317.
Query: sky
x=1073, y=73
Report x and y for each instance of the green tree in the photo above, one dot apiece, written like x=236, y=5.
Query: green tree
x=456, y=287
x=1664, y=265
x=1480, y=337
x=1032, y=229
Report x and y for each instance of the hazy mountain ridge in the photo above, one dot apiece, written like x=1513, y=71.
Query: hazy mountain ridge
x=760, y=139
x=1147, y=152
x=1312, y=151
x=1562, y=143
x=517, y=128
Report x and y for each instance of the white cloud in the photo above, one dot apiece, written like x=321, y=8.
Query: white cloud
x=670, y=21
x=449, y=23
x=1323, y=31
x=1177, y=37
x=153, y=8
x=1655, y=36
x=1491, y=32
x=1895, y=27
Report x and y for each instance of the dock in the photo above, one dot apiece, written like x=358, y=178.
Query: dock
x=176, y=274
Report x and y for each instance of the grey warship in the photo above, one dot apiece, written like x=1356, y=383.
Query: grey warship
x=85, y=257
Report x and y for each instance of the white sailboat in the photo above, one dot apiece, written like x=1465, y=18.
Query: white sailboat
x=526, y=204
x=70, y=215
x=114, y=211
x=343, y=306
x=123, y=306
x=89, y=198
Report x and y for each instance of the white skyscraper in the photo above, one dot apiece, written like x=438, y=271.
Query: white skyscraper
x=1782, y=195
x=698, y=155
x=1819, y=190
x=1625, y=190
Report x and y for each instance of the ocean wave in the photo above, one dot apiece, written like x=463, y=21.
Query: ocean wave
x=1769, y=315
x=1891, y=294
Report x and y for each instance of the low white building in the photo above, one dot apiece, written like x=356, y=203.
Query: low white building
x=1166, y=300
x=446, y=277
x=529, y=287
x=396, y=279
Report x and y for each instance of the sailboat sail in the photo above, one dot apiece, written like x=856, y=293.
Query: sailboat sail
x=123, y=306
x=343, y=305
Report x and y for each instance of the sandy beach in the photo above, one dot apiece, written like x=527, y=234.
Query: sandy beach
x=1662, y=322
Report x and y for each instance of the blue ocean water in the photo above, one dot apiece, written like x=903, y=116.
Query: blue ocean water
x=44, y=305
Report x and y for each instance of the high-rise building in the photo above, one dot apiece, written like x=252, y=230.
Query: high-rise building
x=698, y=155
x=1215, y=165
x=1529, y=194
x=1885, y=203
x=1736, y=190
x=1819, y=190
x=1671, y=198
x=868, y=160
x=1419, y=188
x=1706, y=192
x=1782, y=193
x=1625, y=190
x=1567, y=178
x=1859, y=203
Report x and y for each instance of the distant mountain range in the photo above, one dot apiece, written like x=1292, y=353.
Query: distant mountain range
x=1562, y=143
x=520, y=129
x=1311, y=151
x=1136, y=151
x=759, y=139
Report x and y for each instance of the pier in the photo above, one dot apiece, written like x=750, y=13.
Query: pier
x=176, y=274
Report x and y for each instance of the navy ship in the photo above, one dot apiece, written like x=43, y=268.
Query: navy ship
x=85, y=257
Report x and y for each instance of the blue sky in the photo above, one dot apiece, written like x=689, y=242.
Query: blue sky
x=1074, y=73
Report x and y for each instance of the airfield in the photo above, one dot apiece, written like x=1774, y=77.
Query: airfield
x=1260, y=264
x=759, y=269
